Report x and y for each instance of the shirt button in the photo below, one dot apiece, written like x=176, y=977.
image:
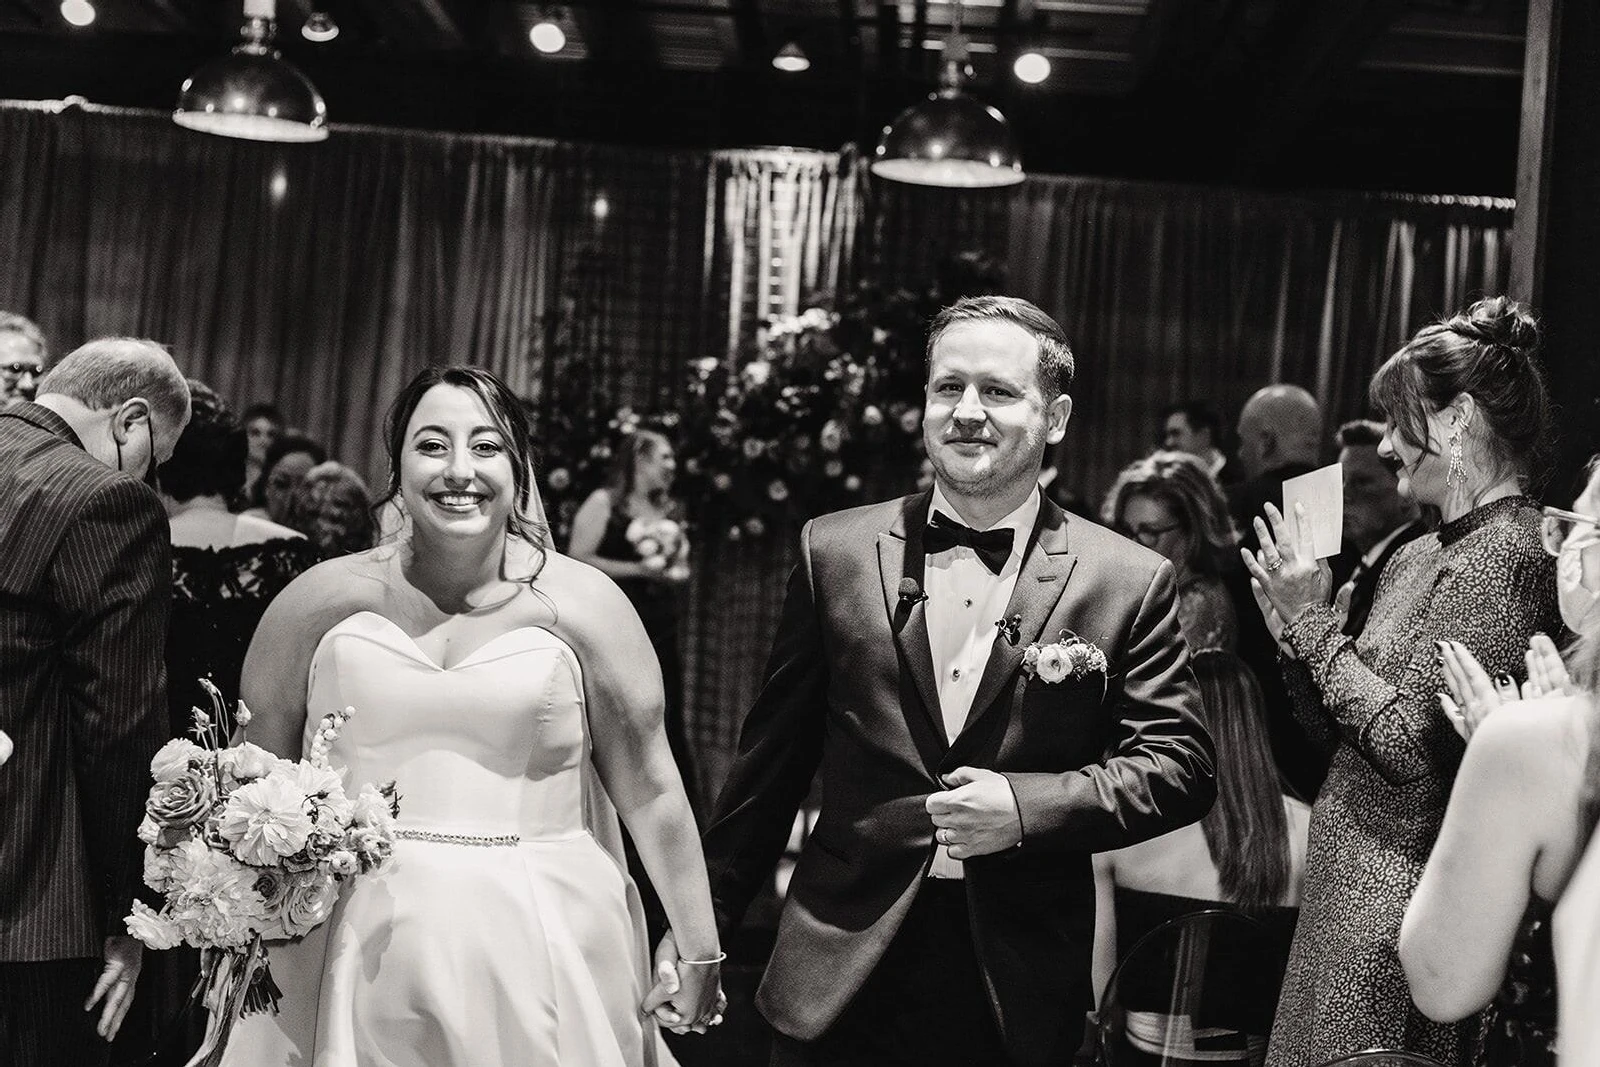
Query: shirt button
x=969, y=602
x=956, y=674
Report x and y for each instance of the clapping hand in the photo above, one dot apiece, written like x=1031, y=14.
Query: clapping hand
x=1473, y=694
x=687, y=997
x=1286, y=568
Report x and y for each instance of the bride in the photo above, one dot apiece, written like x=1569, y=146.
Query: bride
x=512, y=694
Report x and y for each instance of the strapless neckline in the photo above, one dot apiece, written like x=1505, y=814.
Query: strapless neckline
x=412, y=650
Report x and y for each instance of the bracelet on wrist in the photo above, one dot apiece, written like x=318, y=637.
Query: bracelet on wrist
x=704, y=963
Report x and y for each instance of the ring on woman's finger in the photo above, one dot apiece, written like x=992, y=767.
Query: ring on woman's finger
x=1274, y=563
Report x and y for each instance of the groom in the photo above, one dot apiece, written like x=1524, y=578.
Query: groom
x=943, y=909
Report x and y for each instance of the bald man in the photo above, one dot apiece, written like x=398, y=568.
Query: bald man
x=1280, y=436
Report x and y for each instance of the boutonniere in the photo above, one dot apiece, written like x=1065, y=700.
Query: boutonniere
x=1070, y=657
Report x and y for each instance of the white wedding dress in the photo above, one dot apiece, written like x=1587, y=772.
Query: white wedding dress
x=462, y=954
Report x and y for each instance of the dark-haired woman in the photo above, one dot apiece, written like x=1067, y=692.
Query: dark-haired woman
x=226, y=569
x=512, y=695
x=263, y=425
x=632, y=530
x=1468, y=418
x=333, y=507
x=1247, y=854
x=287, y=462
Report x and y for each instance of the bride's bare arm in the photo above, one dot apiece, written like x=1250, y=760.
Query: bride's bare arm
x=273, y=681
x=622, y=683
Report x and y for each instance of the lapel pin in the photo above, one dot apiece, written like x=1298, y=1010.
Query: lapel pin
x=1010, y=628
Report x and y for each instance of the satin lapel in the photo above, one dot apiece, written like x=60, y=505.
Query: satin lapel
x=1040, y=583
x=900, y=556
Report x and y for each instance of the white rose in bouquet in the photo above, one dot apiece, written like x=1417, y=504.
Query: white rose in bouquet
x=175, y=758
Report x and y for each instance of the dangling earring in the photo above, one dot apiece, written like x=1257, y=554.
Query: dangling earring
x=1457, y=472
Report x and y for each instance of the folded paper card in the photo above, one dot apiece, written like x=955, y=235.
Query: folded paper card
x=1321, y=494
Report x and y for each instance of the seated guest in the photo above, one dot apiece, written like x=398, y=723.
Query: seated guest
x=287, y=461
x=22, y=355
x=1468, y=423
x=1193, y=427
x=333, y=507
x=1377, y=519
x=1477, y=934
x=1280, y=437
x=263, y=425
x=1248, y=853
x=226, y=569
x=1169, y=503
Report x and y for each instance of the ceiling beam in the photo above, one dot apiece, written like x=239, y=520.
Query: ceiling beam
x=1315, y=54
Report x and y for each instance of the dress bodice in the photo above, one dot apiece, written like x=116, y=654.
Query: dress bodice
x=494, y=745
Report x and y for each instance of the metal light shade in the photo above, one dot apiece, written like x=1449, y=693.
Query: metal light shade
x=951, y=139
x=252, y=93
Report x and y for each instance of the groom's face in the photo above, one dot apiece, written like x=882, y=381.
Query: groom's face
x=987, y=422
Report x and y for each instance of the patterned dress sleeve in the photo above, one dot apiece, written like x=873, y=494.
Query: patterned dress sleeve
x=1305, y=703
x=1487, y=599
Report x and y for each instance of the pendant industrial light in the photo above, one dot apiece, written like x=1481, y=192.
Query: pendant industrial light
x=952, y=138
x=252, y=92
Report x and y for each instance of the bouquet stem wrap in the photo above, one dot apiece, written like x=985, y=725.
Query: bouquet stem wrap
x=228, y=979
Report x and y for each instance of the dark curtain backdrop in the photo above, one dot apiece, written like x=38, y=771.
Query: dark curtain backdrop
x=324, y=276
x=1173, y=293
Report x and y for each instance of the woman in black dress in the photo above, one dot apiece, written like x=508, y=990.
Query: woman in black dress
x=631, y=529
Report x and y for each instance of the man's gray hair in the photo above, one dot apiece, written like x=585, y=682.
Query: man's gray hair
x=105, y=372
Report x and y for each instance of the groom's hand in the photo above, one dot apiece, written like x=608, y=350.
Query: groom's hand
x=977, y=815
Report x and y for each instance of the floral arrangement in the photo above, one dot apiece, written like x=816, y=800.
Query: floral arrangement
x=1069, y=657
x=819, y=411
x=662, y=545
x=246, y=846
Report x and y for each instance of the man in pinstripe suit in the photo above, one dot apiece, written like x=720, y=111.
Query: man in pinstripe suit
x=85, y=587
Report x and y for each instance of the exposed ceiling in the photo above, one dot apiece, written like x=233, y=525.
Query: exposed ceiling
x=1407, y=94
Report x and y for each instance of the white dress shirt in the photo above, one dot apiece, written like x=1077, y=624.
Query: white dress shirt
x=965, y=601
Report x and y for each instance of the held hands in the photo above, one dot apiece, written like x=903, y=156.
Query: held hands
x=1473, y=694
x=124, y=956
x=977, y=815
x=687, y=996
x=1286, y=568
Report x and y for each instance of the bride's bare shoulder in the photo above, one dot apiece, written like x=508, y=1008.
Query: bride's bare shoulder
x=586, y=602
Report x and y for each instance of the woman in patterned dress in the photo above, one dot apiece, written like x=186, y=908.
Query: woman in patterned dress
x=1468, y=420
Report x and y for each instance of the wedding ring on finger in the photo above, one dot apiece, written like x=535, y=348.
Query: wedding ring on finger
x=942, y=836
x=1273, y=564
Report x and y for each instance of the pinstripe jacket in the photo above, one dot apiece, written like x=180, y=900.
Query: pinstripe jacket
x=85, y=590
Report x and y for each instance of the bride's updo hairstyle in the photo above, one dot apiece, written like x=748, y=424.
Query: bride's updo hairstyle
x=1488, y=352
x=526, y=520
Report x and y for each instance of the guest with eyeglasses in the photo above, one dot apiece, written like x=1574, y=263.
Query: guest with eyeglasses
x=1468, y=420
x=1169, y=502
x=1477, y=935
x=22, y=356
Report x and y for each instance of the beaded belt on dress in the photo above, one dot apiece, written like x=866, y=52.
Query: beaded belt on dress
x=439, y=837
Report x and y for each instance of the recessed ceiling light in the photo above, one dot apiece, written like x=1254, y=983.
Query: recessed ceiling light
x=547, y=37
x=77, y=12
x=1031, y=67
x=320, y=27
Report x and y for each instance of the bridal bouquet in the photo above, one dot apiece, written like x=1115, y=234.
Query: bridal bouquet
x=246, y=846
x=662, y=546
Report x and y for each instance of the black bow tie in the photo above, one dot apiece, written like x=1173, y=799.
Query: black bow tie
x=992, y=546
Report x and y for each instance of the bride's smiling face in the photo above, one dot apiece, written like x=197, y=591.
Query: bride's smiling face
x=456, y=469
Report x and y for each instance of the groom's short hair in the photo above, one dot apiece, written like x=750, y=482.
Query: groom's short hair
x=1057, y=366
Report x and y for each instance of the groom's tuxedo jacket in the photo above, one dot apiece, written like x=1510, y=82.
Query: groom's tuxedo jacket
x=1096, y=763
